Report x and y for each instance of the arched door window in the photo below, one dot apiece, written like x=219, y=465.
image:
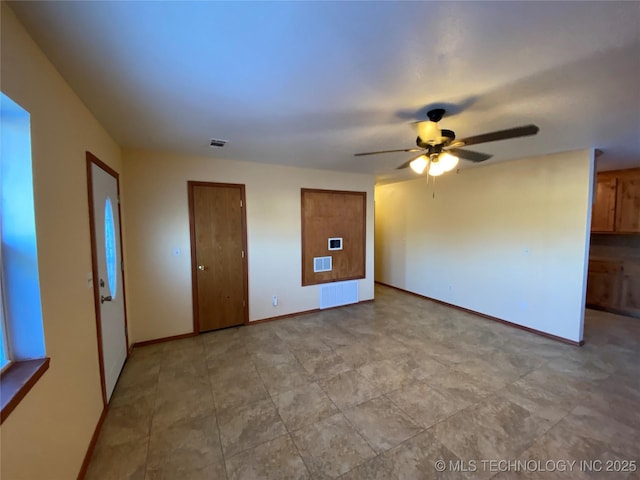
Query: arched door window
x=110, y=247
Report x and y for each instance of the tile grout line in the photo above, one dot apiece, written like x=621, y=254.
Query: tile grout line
x=289, y=434
x=215, y=409
x=339, y=410
x=353, y=426
x=153, y=410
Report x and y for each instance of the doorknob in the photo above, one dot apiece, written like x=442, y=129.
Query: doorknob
x=202, y=268
x=105, y=299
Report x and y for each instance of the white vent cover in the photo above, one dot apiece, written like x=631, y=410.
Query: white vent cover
x=321, y=264
x=338, y=293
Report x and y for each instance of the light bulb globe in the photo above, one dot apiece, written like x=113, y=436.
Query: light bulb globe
x=448, y=161
x=419, y=164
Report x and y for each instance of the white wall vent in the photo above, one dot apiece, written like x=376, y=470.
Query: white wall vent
x=321, y=264
x=338, y=293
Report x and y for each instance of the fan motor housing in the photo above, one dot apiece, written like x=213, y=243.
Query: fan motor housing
x=447, y=136
x=436, y=114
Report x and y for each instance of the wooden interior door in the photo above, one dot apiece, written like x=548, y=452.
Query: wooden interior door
x=218, y=253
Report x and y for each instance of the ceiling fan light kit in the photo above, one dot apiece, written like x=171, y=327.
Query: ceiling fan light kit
x=440, y=151
x=436, y=169
x=438, y=164
x=419, y=164
x=448, y=161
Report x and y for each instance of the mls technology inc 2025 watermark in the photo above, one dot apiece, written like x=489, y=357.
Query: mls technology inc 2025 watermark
x=496, y=465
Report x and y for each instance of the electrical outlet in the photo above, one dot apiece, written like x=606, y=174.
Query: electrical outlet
x=274, y=301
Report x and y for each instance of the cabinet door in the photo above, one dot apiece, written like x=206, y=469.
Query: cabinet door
x=628, y=204
x=630, y=298
x=603, y=284
x=604, y=210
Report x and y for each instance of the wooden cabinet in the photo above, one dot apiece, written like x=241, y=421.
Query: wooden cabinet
x=628, y=204
x=614, y=285
x=630, y=293
x=604, y=209
x=617, y=202
x=603, y=283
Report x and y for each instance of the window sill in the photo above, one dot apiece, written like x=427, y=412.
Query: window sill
x=16, y=382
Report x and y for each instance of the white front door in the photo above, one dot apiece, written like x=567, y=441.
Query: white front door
x=108, y=261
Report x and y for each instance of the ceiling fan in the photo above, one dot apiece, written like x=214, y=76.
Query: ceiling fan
x=439, y=149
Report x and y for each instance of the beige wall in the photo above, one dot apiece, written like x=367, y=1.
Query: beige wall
x=47, y=435
x=157, y=223
x=508, y=240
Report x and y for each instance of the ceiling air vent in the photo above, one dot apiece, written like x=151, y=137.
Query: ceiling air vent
x=218, y=143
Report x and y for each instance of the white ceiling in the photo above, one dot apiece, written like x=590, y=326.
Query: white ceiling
x=312, y=83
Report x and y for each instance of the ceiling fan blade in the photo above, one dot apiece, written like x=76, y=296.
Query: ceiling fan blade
x=469, y=154
x=414, y=149
x=516, y=132
x=408, y=162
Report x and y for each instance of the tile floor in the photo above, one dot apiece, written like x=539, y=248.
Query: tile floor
x=377, y=391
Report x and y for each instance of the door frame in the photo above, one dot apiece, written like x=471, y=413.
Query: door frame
x=93, y=160
x=192, y=235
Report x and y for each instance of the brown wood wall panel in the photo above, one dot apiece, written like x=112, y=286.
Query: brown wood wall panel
x=327, y=214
